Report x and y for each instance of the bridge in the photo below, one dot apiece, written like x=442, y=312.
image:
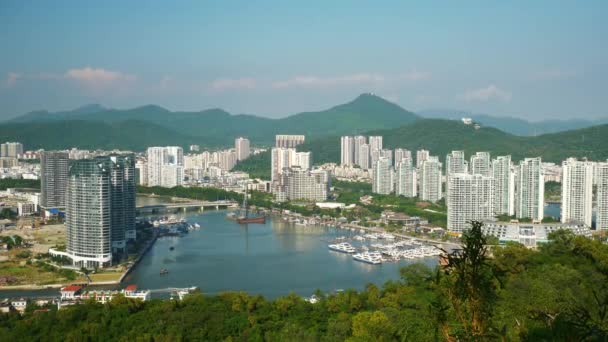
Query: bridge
x=184, y=206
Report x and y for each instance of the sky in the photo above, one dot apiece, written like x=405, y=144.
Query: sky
x=528, y=59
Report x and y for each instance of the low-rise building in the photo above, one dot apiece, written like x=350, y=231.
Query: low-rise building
x=529, y=234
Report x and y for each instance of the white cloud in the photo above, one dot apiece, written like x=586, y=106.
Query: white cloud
x=322, y=82
x=97, y=76
x=488, y=93
x=416, y=75
x=238, y=83
x=12, y=78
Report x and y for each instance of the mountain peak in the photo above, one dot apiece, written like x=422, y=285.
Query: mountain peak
x=89, y=109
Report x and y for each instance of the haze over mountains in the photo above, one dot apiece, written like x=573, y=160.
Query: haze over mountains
x=94, y=126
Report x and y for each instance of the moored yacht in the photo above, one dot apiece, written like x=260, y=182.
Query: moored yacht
x=373, y=258
x=343, y=247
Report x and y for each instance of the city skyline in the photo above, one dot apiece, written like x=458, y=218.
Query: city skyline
x=231, y=56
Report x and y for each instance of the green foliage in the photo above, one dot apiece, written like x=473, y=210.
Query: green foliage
x=556, y=293
x=7, y=183
x=7, y=213
x=257, y=166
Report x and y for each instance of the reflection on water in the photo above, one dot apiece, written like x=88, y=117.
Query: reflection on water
x=271, y=259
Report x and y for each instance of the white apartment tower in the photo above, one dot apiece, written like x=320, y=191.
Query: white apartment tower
x=504, y=186
x=530, y=189
x=364, y=156
x=481, y=164
x=375, y=143
x=421, y=155
x=577, y=191
x=406, y=179
x=165, y=166
x=381, y=177
x=288, y=141
x=241, y=146
x=402, y=154
x=455, y=163
x=282, y=158
x=430, y=179
x=471, y=197
x=601, y=175
x=359, y=141
x=347, y=151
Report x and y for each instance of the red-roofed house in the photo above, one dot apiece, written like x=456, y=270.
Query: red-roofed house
x=70, y=292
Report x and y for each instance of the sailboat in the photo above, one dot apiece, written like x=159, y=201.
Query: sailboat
x=245, y=217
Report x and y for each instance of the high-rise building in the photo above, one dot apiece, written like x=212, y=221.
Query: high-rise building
x=303, y=160
x=577, y=191
x=302, y=184
x=11, y=149
x=375, y=142
x=421, y=155
x=100, y=209
x=471, y=197
x=141, y=172
x=430, y=179
x=347, y=151
x=455, y=163
x=381, y=176
x=402, y=154
x=481, y=164
x=122, y=200
x=359, y=141
x=530, y=189
x=601, y=172
x=165, y=166
x=364, y=157
x=406, y=184
x=54, y=167
x=241, y=145
x=288, y=141
x=388, y=154
x=504, y=186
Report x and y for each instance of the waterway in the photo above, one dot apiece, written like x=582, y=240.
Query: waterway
x=271, y=259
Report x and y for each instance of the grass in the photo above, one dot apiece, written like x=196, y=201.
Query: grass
x=107, y=276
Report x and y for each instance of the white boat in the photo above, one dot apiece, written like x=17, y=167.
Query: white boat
x=373, y=258
x=387, y=236
x=343, y=247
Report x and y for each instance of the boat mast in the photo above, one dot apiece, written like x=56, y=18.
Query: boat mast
x=245, y=204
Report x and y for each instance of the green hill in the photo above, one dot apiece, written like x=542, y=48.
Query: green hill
x=443, y=136
x=130, y=134
x=218, y=127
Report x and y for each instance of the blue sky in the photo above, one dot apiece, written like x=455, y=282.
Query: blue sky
x=530, y=59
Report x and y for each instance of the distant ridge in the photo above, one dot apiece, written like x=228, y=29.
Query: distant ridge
x=216, y=126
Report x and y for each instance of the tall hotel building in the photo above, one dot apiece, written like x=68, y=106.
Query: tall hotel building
x=504, y=186
x=430, y=179
x=601, y=175
x=54, y=168
x=100, y=209
x=381, y=176
x=530, y=189
x=577, y=191
x=471, y=197
x=288, y=141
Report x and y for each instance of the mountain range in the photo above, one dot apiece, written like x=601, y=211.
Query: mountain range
x=513, y=125
x=94, y=126
x=216, y=127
